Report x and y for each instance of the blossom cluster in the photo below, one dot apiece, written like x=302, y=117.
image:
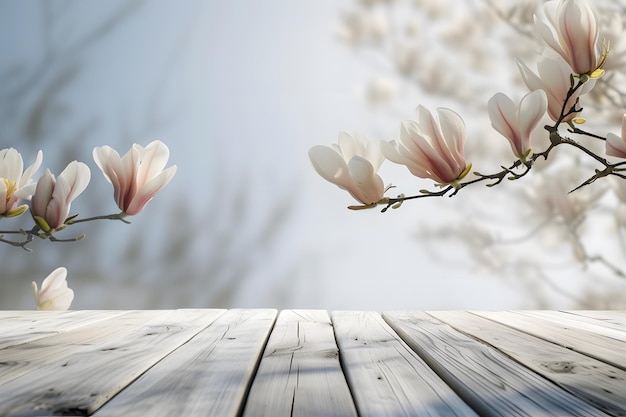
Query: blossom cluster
x=136, y=178
x=433, y=145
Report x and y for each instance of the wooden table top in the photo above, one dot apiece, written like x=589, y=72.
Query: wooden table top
x=260, y=362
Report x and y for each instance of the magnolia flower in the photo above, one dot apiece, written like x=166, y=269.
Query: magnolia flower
x=615, y=145
x=516, y=123
x=51, y=202
x=54, y=293
x=15, y=185
x=137, y=176
x=431, y=148
x=554, y=79
x=351, y=165
x=573, y=33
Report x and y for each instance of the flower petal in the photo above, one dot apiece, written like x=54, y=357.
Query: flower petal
x=615, y=146
x=532, y=108
x=330, y=165
x=370, y=186
x=149, y=190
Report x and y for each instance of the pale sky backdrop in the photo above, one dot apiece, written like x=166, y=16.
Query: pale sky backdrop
x=239, y=90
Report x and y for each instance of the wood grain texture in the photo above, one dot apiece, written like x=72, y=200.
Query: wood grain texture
x=208, y=376
x=595, y=382
x=82, y=382
x=300, y=374
x=591, y=344
x=613, y=317
x=19, y=360
x=386, y=377
x=21, y=327
x=589, y=325
x=493, y=384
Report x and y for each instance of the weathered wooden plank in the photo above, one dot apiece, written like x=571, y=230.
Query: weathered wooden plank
x=22, y=327
x=493, y=384
x=385, y=376
x=612, y=318
x=596, y=382
x=300, y=373
x=81, y=383
x=591, y=344
x=208, y=376
x=577, y=322
x=21, y=359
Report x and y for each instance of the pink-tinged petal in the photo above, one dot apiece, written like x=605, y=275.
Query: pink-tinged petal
x=43, y=194
x=399, y=154
x=453, y=129
x=110, y=163
x=153, y=160
x=330, y=165
x=533, y=107
x=615, y=146
x=424, y=148
x=56, y=212
x=429, y=138
x=546, y=33
x=104, y=157
x=503, y=116
x=131, y=162
x=116, y=170
x=74, y=178
x=624, y=126
x=149, y=190
x=370, y=186
x=578, y=35
x=532, y=81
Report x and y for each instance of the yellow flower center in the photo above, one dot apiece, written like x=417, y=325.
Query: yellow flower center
x=11, y=186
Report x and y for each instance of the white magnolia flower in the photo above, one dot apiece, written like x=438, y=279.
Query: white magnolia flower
x=431, y=147
x=137, y=176
x=54, y=293
x=351, y=165
x=572, y=31
x=15, y=185
x=53, y=197
x=517, y=122
x=553, y=77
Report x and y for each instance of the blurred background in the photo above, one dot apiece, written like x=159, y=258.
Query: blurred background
x=239, y=91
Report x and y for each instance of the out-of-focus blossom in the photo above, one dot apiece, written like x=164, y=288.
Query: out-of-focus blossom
x=52, y=199
x=554, y=78
x=381, y=90
x=615, y=145
x=433, y=9
x=431, y=148
x=572, y=31
x=54, y=293
x=516, y=123
x=15, y=185
x=407, y=58
x=551, y=198
x=359, y=28
x=137, y=176
x=351, y=165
